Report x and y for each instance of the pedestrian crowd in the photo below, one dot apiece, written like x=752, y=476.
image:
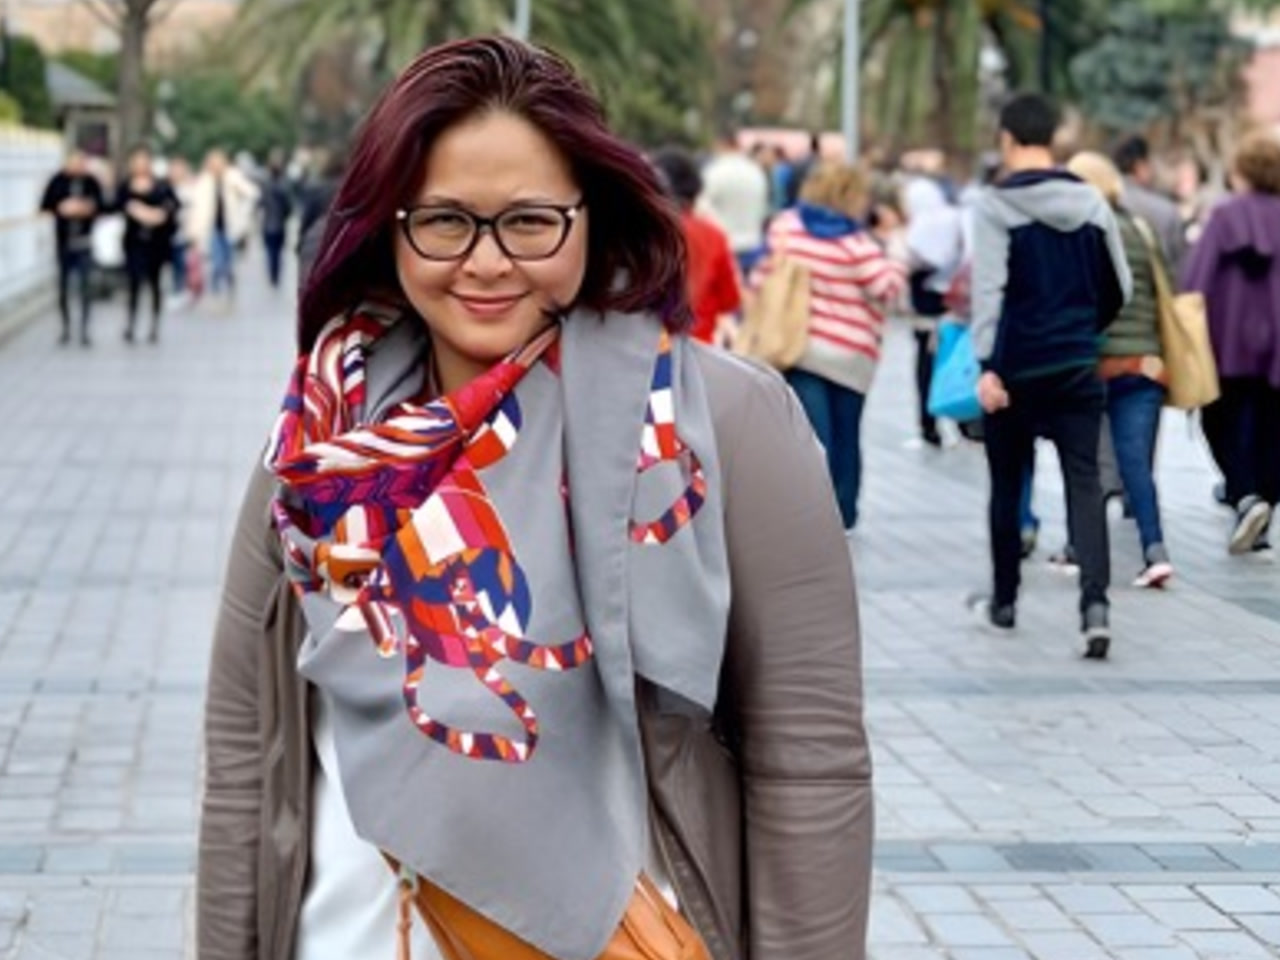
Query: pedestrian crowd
x=1075, y=295
x=159, y=220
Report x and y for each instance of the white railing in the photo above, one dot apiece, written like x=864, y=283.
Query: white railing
x=28, y=158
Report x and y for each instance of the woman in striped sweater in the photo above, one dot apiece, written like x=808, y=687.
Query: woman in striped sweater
x=851, y=283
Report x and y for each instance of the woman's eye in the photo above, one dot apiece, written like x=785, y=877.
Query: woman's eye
x=529, y=220
x=443, y=220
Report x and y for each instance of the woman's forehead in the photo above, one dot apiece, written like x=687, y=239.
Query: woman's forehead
x=496, y=156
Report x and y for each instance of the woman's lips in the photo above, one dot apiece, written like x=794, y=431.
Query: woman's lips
x=488, y=306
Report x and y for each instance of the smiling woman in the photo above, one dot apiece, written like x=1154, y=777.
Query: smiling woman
x=540, y=619
x=496, y=244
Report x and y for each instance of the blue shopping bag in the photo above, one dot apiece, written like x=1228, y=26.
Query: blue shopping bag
x=954, y=391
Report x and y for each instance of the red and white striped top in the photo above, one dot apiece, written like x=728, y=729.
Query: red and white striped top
x=851, y=283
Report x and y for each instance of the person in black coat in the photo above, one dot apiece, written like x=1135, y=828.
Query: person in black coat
x=150, y=209
x=74, y=197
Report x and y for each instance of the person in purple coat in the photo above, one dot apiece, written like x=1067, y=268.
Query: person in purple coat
x=1236, y=265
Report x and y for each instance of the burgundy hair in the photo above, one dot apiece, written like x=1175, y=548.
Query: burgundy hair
x=636, y=250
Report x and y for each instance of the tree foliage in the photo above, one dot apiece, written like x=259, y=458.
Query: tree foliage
x=211, y=108
x=647, y=60
x=1150, y=66
x=26, y=82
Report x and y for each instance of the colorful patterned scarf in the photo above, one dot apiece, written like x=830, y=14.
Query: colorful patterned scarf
x=484, y=575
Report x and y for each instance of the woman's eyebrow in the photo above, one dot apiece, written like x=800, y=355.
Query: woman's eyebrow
x=443, y=200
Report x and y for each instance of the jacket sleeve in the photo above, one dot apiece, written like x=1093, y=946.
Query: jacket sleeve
x=793, y=679
x=52, y=196
x=230, y=823
x=988, y=279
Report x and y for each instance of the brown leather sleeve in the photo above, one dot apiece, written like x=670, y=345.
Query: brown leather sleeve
x=227, y=874
x=793, y=683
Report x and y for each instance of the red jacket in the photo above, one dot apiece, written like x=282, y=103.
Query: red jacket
x=713, y=276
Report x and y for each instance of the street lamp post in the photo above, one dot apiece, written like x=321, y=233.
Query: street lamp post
x=523, y=17
x=850, y=76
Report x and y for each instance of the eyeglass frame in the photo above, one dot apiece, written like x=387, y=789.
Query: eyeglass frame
x=568, y=216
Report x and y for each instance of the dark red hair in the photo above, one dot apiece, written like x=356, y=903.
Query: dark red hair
x=635, y=253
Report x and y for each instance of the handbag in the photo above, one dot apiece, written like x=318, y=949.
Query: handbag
x=1185, y=346
x=651, y=929
x=953, y=391
x=775, y=324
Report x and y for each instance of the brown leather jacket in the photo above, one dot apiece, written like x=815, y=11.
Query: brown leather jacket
x=764, y=815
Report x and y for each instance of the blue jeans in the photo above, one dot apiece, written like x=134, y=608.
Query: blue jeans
x=836, y=415
x=1133, y=405
x=178, y=264
x=220, y=262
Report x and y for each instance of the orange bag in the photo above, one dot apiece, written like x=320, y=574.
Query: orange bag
x=651, y=929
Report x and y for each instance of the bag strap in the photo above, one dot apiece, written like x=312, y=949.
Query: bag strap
x=1163, y=288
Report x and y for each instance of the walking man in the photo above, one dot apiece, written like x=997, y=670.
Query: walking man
x=74, y=197
x=1049, y=276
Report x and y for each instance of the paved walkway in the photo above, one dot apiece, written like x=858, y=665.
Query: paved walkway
x=1031, y=805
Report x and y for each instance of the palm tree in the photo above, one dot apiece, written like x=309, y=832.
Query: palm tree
x=921, y=58
x=648, y=60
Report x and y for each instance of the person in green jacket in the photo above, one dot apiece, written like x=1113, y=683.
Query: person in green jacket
x=1133, y=369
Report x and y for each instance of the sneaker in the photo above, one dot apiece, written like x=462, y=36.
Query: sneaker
x=1253, y=517
x=64, y=338
x=1095, y=632
x=1154, y=575
x=1000, y=617
x=1158, y=570
x=1030, y=536
x=1064, y=561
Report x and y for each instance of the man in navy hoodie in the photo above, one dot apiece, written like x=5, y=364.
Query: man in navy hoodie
x=1049, y=276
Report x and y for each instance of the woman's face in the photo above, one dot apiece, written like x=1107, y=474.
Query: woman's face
x=140, y=164
x=481, y=306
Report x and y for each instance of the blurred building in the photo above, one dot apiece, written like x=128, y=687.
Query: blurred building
x=1263, y=74
x=180, y=27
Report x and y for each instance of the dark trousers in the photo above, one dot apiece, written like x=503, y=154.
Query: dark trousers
x=1067, y=409
x=144, y=266
x=925, y=352
x=836, y=415
x=74, y=267
x=1243, y=428
x=273, y=243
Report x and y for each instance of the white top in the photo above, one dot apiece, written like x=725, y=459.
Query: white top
x=349, y=911
x=735, y=193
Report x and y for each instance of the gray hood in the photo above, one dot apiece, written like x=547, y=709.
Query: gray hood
x=1052, y=197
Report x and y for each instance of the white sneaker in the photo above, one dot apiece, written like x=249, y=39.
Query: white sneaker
x=1155, y=575
x=1254, y=517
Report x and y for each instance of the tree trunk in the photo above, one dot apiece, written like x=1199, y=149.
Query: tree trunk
x=944, y=108
x=132, y=106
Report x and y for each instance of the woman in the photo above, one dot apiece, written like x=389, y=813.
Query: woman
x=150, y=211
x=1133, y=370
x=1235, y=266
x=222, y=204
x=936, y=247
x=714, y=292
x=852, y=282
x=478, y=619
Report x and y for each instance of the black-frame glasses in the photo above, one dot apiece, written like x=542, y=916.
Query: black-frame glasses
x=523, y=232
